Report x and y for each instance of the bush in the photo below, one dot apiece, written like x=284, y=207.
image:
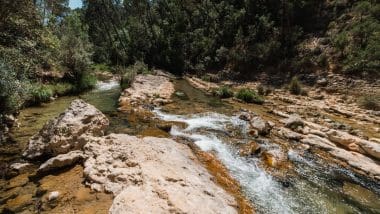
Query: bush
x=129, y=74
x=127, y=79
x=13, y=92
x=295, y=86
x=224, y=92
x=206, y=78
x=370, y=102
x=87, y=81
x=101, y=67
x=40, y=94
x=140, y=68
x=61, y=89
x=249, y=96
x=260, y=90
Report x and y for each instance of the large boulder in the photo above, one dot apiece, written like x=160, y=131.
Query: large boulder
x=154, y=175
x=68, y=131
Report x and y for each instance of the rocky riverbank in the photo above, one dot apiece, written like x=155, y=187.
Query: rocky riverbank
x=323, y=122
x=131, y=169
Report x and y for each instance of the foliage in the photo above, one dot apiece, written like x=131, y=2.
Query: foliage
x=40, y=93
x=198, y=36
x=224, y=92
x=249, y=96
x=75, y=54
x=61, y=89
x=295, y=86
x=127, y=79
x=128, y=74
x=371, y=102
x=260, y=90
x=263, y=90
x=100, y=67
x=13, y=91
x=358, y=40
x=85, y=82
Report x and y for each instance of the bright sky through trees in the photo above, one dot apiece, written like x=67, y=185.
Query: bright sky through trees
x=75, y=4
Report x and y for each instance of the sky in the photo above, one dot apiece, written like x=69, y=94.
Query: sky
x=75, y=4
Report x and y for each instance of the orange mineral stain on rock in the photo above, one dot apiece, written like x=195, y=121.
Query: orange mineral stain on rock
x=223, y=178
x=73, y=195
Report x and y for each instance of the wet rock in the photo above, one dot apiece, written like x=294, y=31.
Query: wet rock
x=19, y=203
x=165, y=126
x=9, y=120
x=270, y=159
x=73, y=194
x=53, y=195
x=322, y=82
x=180, y=94
x=9, y=194
x=293, y=122
x=361, y=195
x=253, y=133
x=18, y=181
x=245, y=116
x=61, y=161
x=249, y=149
x=65, y=133
x=20, y=168
x=262, y=126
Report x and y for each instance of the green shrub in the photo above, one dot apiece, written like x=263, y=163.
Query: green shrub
x=260, y=90
x=249, y=96
x=295, y=86
x=127, y=79
x=370, y=102
x=304, y=93
x=40, y=93
x=128, y=74
x=101, y=67
x=140, y=68
x=206, y=78
x=224, y=92
x=61, y=89
x=87, y=81
x=13, y=92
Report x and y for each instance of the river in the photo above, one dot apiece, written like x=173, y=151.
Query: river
x=310, y=185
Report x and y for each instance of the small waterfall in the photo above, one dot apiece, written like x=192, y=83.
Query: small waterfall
x=107, y=85
x=307, y=194
x=259, y=186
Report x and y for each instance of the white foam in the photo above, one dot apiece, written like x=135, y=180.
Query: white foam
x=107, y=85
x=259, y=186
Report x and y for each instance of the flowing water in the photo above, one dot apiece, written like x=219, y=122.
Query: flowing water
x=310, y=186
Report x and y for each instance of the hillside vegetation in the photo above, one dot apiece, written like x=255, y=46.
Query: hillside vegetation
x=45, y=42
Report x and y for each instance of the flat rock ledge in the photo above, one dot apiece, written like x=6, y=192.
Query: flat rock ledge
x=153, y=175
x=145, y=175
x=147, y=89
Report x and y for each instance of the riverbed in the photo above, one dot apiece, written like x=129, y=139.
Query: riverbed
x=305, y=183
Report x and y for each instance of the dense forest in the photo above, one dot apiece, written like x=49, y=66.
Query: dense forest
x=47, y=49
